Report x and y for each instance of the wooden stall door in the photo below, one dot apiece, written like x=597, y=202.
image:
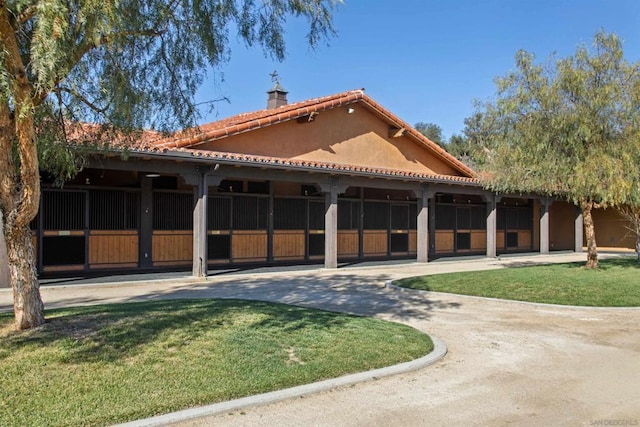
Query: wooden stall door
x=64, y=230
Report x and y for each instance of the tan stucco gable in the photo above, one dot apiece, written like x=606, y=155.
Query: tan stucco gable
x=336, y=136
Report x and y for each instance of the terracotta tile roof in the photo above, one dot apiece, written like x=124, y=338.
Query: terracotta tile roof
x=102, y=135
x=191, y=138
x=276, y=162
x=254, y=120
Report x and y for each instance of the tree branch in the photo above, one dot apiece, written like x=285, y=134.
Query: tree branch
x=87, y=45
x=28, y=13
x=82, y=98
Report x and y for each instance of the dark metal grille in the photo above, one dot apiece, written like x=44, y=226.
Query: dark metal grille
x=316, y=215
x=512, y=219
x=413, y=216
x=290, y=214
x=250, y=213
x=114, y=210
x=172, y=211
x=376, y=216
x=478, y=218
x=399, y=217
x=63, y=210
x=501, y=218
x=463, y=218
x=525, y=218
x=515, y=218
x=445, y=217
x=348, y=215
x=219, y=213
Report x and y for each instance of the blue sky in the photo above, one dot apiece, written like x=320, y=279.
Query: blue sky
x=424, y=60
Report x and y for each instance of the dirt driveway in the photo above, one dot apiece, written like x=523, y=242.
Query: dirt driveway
x=509, y=363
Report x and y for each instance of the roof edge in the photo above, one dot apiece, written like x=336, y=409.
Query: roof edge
x=272, y=116
x=303, y=108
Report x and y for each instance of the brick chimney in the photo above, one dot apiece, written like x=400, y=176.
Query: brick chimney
x=277, y=96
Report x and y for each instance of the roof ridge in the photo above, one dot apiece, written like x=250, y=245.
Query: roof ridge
x=181, y=138
x=248, y=121
x=422, y=138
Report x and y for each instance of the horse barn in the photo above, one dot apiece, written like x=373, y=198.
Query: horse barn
x=327, y=180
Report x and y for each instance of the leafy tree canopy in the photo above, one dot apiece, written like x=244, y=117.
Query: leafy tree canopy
x=431, y=131
x=136, y=63
x=569, y=127
x=120, y=66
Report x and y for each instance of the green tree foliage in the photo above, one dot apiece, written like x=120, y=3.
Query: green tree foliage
x=431, y=131
x=568, y=128
x=122, y=65
x=631, y=213
x=466, y=149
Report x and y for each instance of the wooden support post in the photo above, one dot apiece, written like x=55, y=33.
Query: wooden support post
x=544, y=225
x=200, y=257
x=331, y=189
x=270, y=223
x=579, y=230
x=423, y=224
x=432, y=225
x=145, y=254
x=361, y=224
x=492, y=214
x=331, y=229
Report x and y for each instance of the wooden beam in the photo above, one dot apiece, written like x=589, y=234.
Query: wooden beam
x=308, y=117
x=395, y=132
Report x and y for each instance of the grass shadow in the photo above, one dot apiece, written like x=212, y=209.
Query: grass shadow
x=115, y=332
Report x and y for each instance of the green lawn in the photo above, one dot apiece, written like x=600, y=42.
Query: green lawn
x=615, y=284
x=114, y=363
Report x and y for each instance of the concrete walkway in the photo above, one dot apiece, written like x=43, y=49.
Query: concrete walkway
x=508, y=362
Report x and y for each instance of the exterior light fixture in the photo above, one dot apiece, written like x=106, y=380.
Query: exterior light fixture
x=153, y=175
x=351, y=110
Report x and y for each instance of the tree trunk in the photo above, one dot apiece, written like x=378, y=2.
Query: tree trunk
x=638, y=244
x=634, y=215
x=19, y=186
x=27, y=304
x=590, y=231
x=5, y=277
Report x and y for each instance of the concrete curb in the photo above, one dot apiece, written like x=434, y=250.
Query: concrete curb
x=439, y=351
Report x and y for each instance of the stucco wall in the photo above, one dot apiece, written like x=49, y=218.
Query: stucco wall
x=611, y=230
x=335, y=136
x=561, y=226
